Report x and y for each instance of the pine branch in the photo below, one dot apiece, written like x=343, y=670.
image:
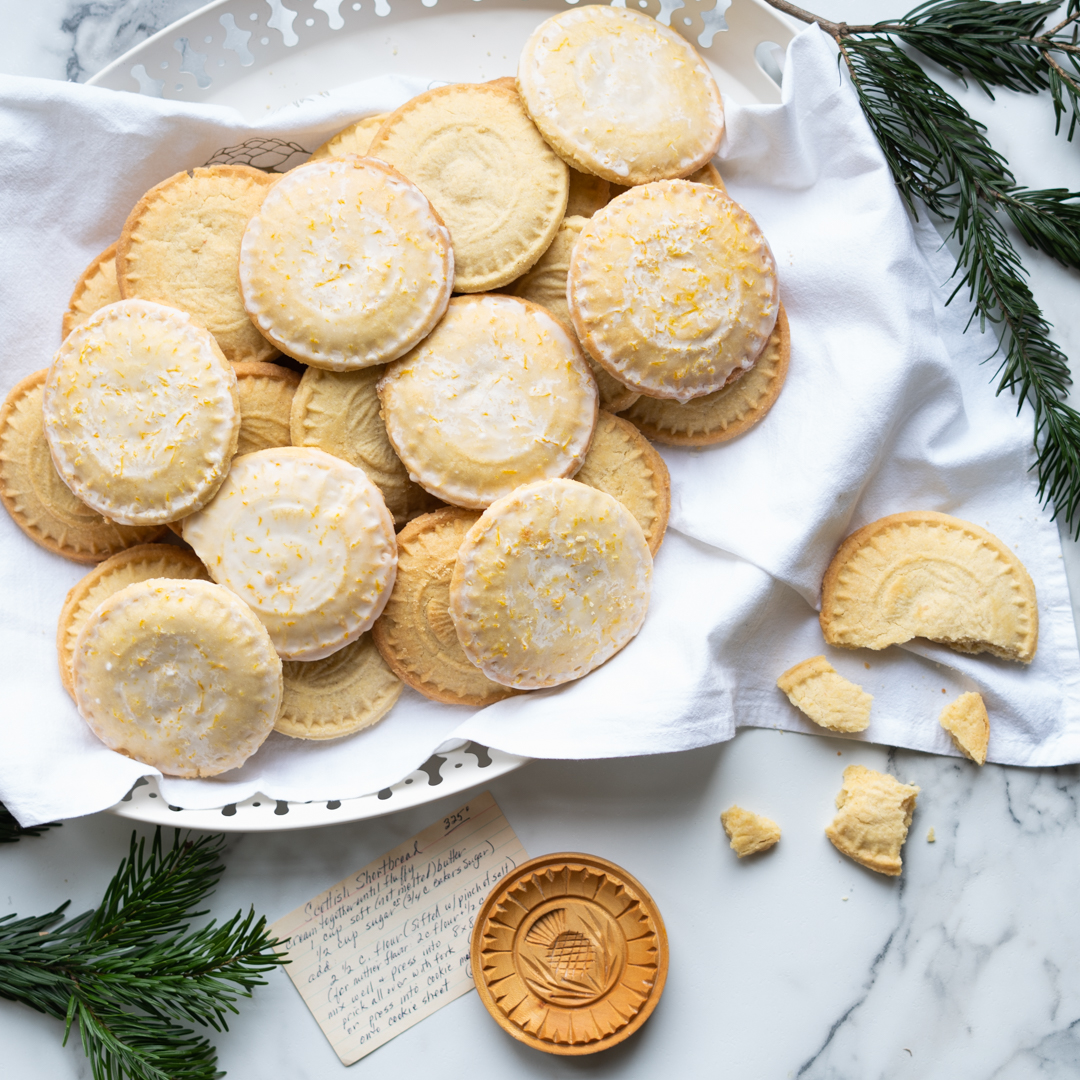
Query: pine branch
x=11, y=831
x=132, y=972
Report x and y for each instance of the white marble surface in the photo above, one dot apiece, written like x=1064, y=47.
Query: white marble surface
x=961, y=968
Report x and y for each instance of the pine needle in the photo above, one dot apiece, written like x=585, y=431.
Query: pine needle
x=11, y=831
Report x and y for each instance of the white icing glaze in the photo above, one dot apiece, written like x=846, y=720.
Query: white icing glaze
x=306, y=540
x=345, y=264
x=499, y=395
x=552, y=581
x=140, y=413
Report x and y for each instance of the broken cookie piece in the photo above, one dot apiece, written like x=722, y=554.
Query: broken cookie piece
x=814, y=688
x=749, y=833
x=873, y=814
x=966, y=722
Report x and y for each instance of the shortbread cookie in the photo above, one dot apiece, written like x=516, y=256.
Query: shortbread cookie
x=749, y=833
x=623, y=463
x=928, y=575
x=96, y=288
x=672, y=288
x=306, y=540
x=179, y=675
x=726, y=413
x=355, y=139
x=180, y=246
x=266, y=396
x=141, y=413
x=338, y=411
x=498, y=396
x=117, y=572
x=545, y=284
x=345, y=264
x=874, y=812
x=709, y=176
x=473, y=151
x=38, y=501
x=968, y=725
x=817, y=691
x=415, y=633
x=620, y=95
x=550, y=582
x=339, y=695
x=587, y=194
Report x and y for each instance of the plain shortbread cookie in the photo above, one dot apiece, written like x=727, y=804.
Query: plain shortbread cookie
x=748, y=832
x=874, y=811
x=95, y=288
x=968, y=725
x=830, y=700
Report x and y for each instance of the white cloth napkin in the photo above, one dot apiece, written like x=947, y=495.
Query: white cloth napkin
x=887, y=408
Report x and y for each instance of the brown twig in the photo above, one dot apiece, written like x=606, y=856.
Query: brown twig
x=1062, y=73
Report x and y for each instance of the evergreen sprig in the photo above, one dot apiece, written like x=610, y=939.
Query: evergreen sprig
x=131, y=973
x=11, y=831
x=941, y=159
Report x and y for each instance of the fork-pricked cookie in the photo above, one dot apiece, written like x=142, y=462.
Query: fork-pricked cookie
x=874, y=811
x=355, y=139
x=266, y=396
x=673, y=289
x=306, y=540
x=180, y=245
x=179, y=675
x=473, y=151
x=415, y=633
x=497, y=396
x=968, y=725
x=816, y=689
x=345, y=264
x=552, y=581
x=96, y=288
x=620, y=95
x=141, y=413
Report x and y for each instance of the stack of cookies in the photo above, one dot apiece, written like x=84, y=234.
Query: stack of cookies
x=430, y=327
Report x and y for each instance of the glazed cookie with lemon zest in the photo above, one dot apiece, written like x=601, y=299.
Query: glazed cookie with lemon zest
x=266, y=396
x=673, y=289
x=545, y=284
x=498, y=396
x=39, y=502
x=179, y=675
x=129, y=567
x=180, y=245
x=723, y=414
x=338, y=411
x=551, y=582
x=339, y=695
x=622, y=463
x=618, y=94
x=306, y=540
x=355, y=139
x=415, y=633
x=345, y=264
x=96, y=288
x=141, y=441
x=473, y=151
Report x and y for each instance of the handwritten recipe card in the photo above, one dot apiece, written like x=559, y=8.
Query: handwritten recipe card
x=389, y=945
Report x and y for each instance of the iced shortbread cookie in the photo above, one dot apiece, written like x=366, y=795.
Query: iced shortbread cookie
x=725, y=413
x=498, y=396
x=141, y=413
x=180, y=246
x=929, y=575
x=38, y=501
x=545, y=284
x=306, y=540
x=179, y=675
x=345, y=264
x=622, y=462
x=117, y=572
x=749, y=833
x=968, y=726
x=550, y=582
x=415, y=633
x=338, y=411
x=874, y=812
x=673, y=289
x=587, y=194
x=618, y=94
x=355, y=139
x=266, y=396
x=830, y=700
x=96, y=288
x=341, y=694
x=473, y=151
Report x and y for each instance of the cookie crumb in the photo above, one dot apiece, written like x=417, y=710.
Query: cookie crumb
x=930, y=837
